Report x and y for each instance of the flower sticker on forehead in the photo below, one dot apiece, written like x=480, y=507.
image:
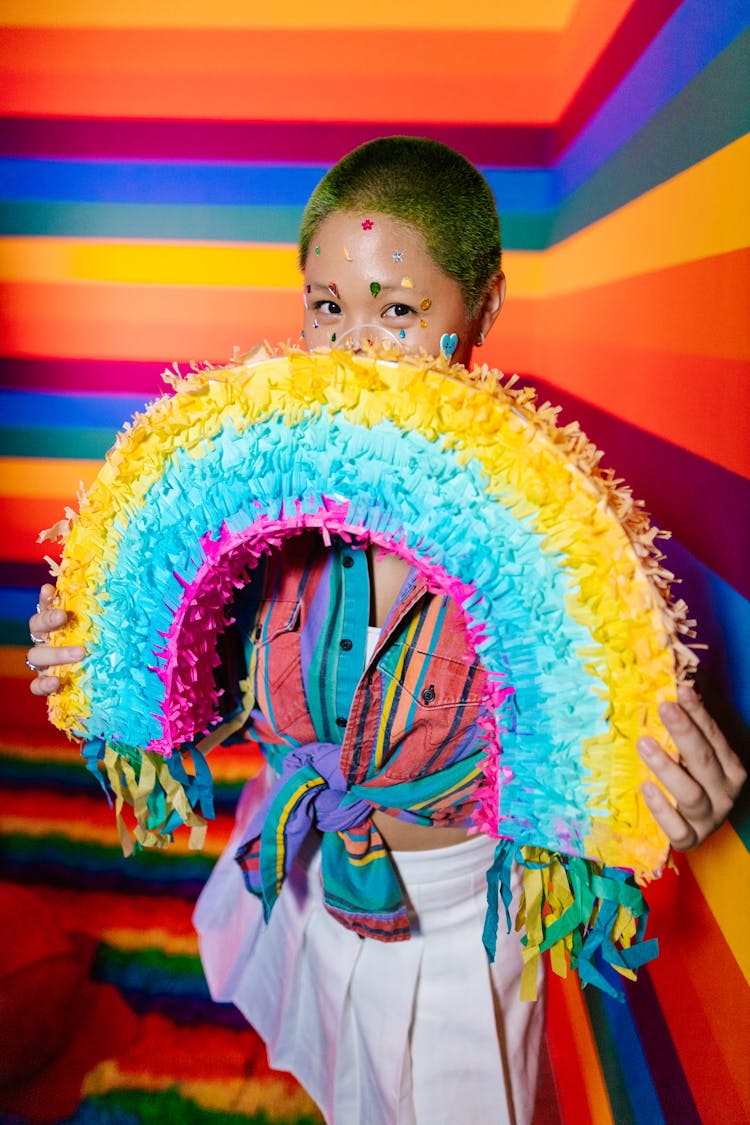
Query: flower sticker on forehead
x=367, y=224
x=398, y=255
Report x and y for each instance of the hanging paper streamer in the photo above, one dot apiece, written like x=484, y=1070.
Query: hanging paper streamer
x=553, y=564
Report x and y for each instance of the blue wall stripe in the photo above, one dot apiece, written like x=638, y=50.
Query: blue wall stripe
x=626, y=1042
x=37, y=410
x=211, y=184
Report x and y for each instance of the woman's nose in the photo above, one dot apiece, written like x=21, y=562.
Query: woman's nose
x=360, y=336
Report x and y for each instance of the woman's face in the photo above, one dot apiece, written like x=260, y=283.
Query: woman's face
x=369, y=277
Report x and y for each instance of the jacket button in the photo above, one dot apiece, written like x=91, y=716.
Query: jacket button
x=348, y=561
x=428, y=694
x=340, y=722
x=346, y=644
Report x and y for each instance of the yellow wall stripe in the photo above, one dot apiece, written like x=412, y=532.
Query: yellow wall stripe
x=46, y=477
x=149, y=263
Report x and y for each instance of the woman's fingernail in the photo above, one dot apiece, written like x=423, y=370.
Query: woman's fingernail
x=670, y=712
x=647, y=748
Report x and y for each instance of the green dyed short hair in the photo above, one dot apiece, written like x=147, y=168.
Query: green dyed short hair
x=427, y=185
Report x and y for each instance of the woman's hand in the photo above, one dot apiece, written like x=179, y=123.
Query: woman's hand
x=43, y=656
x=704, y=783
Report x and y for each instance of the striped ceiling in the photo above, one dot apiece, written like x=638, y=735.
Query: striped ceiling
x=154, y=162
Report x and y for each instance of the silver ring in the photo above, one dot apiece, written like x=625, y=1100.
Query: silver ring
x=37, y=640
x=33, y=667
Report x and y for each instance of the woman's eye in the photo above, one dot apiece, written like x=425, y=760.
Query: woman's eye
x=399, y=310
x=327, y=308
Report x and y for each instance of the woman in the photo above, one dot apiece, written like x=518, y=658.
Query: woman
x=358, y=956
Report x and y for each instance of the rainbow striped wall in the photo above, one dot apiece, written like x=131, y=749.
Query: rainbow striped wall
x=154, y=162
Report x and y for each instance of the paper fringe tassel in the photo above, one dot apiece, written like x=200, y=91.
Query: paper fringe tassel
x=573, y=909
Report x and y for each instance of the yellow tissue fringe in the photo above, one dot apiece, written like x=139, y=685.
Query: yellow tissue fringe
x=548, y=474
x=134, y=791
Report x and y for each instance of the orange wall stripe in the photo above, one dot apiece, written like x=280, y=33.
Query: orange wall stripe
x=692, y=401
x=581, y=1089
x=286, y=75
x=591, y=27
x=142, y=323
x=699, y=307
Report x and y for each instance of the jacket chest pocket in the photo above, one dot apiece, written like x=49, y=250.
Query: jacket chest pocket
x=276, y=639
x=429, y=705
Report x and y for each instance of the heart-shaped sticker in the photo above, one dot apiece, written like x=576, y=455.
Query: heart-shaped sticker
x=448, y=344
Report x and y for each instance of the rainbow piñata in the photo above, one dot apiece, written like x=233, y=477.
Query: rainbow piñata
x=552, y=563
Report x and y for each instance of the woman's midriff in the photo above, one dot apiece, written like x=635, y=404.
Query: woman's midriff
x=400, y=836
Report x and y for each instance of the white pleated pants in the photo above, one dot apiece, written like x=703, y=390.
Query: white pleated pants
x=380, y=1033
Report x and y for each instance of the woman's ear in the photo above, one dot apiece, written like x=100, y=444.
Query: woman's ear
x=491, y=306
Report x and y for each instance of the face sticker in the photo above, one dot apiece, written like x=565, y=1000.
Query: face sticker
x=423, y=324
x=425, y=304
x=374, y=288
x=402, y=333
x=315, y=324
x=333, y=288
x=448, y=344
x=407, y=283
x=398, y=256
x=347, y=255
x=317, y=249
x=308, y=288
x=305, y=301
x=367, y=224
x=333, y=337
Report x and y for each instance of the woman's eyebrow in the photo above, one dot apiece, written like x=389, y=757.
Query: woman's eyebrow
x=385, y=290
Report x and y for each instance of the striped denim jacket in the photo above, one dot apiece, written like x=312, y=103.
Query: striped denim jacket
x=398, y=733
